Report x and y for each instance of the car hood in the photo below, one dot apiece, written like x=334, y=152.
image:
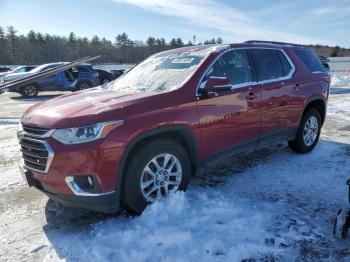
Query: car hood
x=82, y=108
x=3, y=73
x=15, y=76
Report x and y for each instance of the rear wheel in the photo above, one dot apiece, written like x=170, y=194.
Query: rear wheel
x=83, y=85
x=30, y=91
x=157, y=169
x=308, y=133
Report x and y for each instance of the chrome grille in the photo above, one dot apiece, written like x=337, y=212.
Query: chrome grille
x=37, y=154
x=36, y=131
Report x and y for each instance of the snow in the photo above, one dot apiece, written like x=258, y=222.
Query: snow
x=159, y=73
x=282, y=201
x=272, y=205
x=340, y=81
x=218, y=48
x=340, y=86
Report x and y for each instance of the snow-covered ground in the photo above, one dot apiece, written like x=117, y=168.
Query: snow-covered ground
x=272, y=205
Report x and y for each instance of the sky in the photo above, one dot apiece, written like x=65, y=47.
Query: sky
x=298, y=21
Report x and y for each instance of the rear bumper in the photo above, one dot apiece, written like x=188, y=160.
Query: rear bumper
x=106, y=202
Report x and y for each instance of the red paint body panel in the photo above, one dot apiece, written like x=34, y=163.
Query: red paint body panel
x=216, y=122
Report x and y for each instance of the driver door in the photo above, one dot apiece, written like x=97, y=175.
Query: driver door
x=229, y=111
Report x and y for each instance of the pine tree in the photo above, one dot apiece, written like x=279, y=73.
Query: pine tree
x=151, y=41
x=179, y=42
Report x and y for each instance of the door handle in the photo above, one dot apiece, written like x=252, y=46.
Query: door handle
x=251, y=96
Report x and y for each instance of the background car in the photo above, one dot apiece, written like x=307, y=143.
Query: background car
x=81, y=77
x=4, y=69
x=104, y=76
x=19, y=69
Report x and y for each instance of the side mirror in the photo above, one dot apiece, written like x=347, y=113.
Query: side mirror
x=215, y=84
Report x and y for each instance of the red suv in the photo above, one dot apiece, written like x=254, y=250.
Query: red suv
x=146, y=134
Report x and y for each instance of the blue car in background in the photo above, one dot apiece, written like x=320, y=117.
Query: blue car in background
x=78, y=78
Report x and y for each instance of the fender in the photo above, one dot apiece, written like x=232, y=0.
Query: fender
x=311, y=99
x=190, y=139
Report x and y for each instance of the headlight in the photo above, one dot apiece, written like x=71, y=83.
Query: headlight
x=77, y=135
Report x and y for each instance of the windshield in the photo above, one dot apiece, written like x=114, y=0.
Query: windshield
x=161, y=72
x=19, y=69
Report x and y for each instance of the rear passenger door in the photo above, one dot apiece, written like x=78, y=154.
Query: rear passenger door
x=274, y=72
x=230, y=119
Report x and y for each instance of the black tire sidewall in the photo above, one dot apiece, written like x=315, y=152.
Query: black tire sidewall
x=131, y=191
x=298, y=145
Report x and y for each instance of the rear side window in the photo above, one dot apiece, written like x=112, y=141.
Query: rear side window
x=82, y=69
x=310, y=60
x=271, y=64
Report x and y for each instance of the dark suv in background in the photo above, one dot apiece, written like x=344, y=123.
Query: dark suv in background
x=81, y=77
x=146, y=134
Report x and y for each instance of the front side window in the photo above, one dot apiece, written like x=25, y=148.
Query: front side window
x=269, y=64
x=233, y=65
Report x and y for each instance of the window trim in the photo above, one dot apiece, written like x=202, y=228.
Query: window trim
x=258, y=82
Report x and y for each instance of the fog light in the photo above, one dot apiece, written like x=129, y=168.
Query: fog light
x=84, y=182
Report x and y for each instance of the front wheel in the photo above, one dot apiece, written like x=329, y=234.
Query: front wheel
x=308, y=133
x=30, y=91
x=157, y=169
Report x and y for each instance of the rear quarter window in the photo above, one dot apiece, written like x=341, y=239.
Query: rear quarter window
x=271, y=64
x=310, y=60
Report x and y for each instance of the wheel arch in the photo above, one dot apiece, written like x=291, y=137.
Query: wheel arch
x=181, y=134
x=33, y=83
x=319, y=103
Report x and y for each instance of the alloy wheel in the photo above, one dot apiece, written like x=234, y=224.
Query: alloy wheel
x=162, y=175
x=310, y=131
x=30, y=90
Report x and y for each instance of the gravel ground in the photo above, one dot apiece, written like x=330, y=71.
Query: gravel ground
x=272, y=205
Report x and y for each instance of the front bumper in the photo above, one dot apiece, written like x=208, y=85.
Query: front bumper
x=59, y=170
x=105, y=202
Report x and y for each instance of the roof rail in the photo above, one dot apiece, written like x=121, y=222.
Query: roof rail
x=261, y=42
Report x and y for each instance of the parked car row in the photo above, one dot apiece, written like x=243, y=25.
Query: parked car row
x=81, y=77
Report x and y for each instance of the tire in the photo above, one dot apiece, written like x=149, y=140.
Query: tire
x=83, y=85
x=308, y=133
x=341, y=224
x=105, y=81
x=136, y=197
x=30, y=91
